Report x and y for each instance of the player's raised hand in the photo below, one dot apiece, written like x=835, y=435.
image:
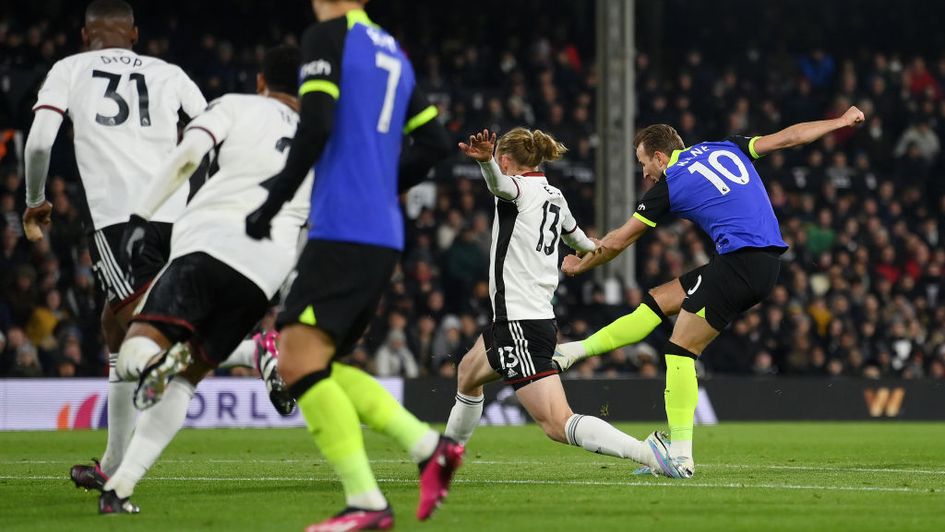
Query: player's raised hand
x=853, y=116
x=570, y=265
x=35, y=219
x=480, y=146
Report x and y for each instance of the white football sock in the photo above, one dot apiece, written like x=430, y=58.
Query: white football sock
x=371, y=500
x=598, y=436
x=243, y=356
x=121, y=417
x=464, y=417
x=425, y=446
x=155, y=429
x=680, y=448
x=573, y=351
x=134, y=356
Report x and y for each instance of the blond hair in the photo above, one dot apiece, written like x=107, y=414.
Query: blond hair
x=530, y=148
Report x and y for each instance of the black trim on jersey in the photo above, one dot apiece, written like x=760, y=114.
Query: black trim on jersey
x=569, y=231
x=654, y=205
x=507, y=213
x=743, y=144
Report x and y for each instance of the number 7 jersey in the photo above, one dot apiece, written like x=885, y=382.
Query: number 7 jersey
x=363, y=68
x=123, y=108
x=523, y=262
x=715, y=185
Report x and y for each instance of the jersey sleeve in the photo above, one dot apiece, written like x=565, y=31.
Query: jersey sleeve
x=570, y=232
x=215, y=121
x=654, y=205
x=54, y=94
x=192, y=101
x=746, y=144
x=321, y=58
x=419, y=111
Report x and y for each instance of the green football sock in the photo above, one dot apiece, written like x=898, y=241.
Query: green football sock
x=625, y=330
x=378, y=409
x=334, y=425
x=681, y=396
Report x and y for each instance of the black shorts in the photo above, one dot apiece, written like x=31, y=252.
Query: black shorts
x=730, y=284
x=120, y=283
x=338, y=288
x=200, y=299
x=521, y=351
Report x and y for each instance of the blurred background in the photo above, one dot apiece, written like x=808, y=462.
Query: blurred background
x=862, y=288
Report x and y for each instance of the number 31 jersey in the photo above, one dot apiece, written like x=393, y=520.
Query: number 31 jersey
x=123, y=108
x=523, y=262
x=715, y=185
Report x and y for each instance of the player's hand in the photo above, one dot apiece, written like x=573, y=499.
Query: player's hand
x=35, y=219
x=853, y=116
x=132, y=241
x=480, y=146
x=259, y=222
x=570, y=265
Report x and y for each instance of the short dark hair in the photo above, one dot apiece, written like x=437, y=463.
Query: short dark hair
x=109, y=8
x=658, y=137
x=280, y=67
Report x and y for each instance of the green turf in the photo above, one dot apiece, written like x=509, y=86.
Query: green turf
x=770, y=476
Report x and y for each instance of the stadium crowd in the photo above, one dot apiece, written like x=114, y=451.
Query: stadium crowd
x=862, y=287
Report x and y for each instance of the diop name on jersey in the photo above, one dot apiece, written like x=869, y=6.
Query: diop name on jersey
x=123, y=59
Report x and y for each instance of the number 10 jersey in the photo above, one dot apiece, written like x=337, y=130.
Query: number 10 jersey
x=715, y=185
x=523, y=265
x=123, y=108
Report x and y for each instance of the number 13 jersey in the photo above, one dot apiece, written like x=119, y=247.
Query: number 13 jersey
x=523, y=262
x=123, y=108
x=715, y=185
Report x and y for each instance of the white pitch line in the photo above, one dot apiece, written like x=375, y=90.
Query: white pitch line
x=523, y=462
x=679, y=484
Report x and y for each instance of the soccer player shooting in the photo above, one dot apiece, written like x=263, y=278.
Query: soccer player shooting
x=715, y=185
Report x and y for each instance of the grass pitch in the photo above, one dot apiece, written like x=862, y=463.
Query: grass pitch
x=752, y=476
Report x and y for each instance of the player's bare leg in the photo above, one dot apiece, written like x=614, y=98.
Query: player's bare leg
x=474, y=371
x=546, y=402
x=660, y=302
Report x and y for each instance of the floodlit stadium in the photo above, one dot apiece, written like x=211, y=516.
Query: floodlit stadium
x=365, y=264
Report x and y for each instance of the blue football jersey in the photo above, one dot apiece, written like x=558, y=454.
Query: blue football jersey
x=715, y=185
x=355, y=198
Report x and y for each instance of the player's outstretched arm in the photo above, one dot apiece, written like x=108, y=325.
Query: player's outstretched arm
x=805, y=132
x=38, y=149
x=480, y=147
x=610, y=246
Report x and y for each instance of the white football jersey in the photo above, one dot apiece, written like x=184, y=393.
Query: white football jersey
x=253, y=134
x=523, y=270
x=123, y=108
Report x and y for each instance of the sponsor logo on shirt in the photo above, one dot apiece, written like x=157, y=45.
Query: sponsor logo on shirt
x=319, y=67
